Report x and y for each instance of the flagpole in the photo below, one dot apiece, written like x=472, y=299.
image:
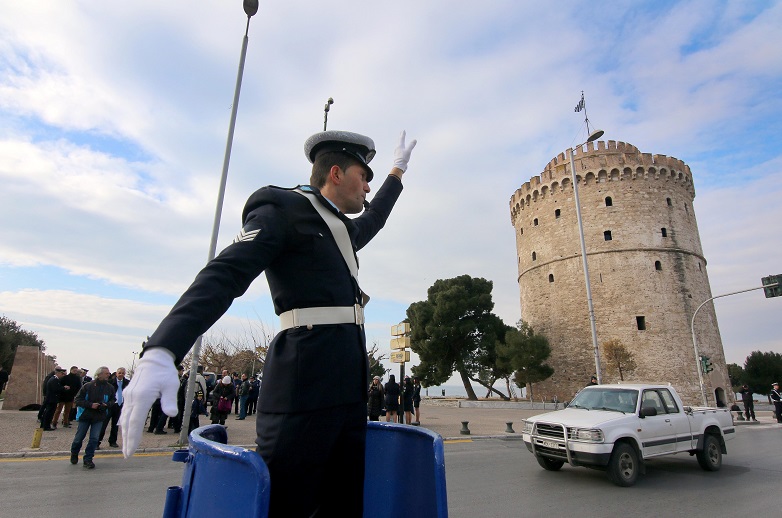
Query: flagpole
x=582, y=106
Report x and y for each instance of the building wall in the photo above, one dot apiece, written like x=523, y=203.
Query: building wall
x=652, y=267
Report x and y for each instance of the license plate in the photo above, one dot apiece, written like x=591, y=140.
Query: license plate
x=550, y=444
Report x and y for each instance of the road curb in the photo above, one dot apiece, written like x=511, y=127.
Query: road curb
x=98, y=453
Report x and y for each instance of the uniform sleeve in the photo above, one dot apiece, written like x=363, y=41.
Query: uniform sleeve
x=374, y=218
x=224, y=278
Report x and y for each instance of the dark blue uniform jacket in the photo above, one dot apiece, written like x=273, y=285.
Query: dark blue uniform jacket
x=305, y=369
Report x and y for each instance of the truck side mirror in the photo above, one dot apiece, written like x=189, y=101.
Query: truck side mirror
x=648, y=411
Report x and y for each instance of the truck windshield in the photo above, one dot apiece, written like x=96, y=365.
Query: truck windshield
x=599, y=398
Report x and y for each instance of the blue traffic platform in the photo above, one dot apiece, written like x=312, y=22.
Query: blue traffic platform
x=405, y=475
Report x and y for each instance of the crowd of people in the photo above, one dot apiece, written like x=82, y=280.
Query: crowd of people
x=385, y=400
x=96, y=404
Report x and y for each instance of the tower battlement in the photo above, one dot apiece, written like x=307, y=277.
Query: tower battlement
x=604, y=162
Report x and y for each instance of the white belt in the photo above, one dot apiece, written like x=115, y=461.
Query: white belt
x=322, y=316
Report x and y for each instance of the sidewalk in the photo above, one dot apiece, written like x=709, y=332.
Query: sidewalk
x=17, y=428
x=442, y=416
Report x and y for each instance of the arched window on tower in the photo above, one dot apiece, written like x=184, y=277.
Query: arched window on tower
x=534, y=256
x=551, y=277
x=609, y=201
x=669, y=202
x=535, y=222
x=557, y=213
x=658, y=266
x=664, y=232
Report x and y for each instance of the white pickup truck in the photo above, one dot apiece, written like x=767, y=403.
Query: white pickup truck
x=617, y=427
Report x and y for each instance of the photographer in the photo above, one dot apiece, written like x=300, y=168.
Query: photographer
x=93, y=401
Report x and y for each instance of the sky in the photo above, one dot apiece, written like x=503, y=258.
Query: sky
x=114, y=118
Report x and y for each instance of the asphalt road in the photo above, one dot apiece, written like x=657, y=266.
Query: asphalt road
x=484, y=477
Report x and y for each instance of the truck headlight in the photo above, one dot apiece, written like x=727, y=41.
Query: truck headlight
x=528, y=426
x=587, y=434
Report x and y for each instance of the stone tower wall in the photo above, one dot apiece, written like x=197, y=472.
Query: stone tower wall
x=642, y=271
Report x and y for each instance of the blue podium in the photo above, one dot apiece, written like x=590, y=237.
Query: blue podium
x=405, y=475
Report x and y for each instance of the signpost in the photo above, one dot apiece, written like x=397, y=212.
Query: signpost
x=401, y=356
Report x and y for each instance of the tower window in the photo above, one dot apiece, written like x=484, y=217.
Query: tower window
x=551, y=277
x=607, y=235
x=521, y=231
x=535, y=222
x=658, y=265
x=664, y=232
x=669, y=202
x=609, y=201
x=557, y=213
x=534, y=256
x=641, y=323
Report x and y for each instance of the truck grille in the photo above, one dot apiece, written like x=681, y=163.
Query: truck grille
x=553, y=431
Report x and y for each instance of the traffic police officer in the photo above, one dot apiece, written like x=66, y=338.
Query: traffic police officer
x=310, y=431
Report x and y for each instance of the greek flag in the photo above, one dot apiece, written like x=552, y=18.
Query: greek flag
x=580, y=106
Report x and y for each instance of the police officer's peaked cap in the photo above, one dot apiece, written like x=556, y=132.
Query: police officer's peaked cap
x=358, y=146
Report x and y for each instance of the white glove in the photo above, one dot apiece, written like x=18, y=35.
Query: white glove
x=155, y=377
x=402, y=153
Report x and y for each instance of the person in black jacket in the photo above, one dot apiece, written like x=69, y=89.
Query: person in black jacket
x=252, y=401
x=392, y=399
x=73, y=381
x=224, y=390
x=749, y=403
x=311, y=432
x=120, y=383
x=54, y=389
x=95, y=398
x=376, y=399
x=407, y=397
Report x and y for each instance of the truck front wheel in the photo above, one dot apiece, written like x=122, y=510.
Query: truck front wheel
x=549, y=464
x=623, y=466
x=710, y=457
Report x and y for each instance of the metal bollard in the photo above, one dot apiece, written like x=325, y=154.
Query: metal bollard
x=464, y=430
x=37, y=438
x=509, y=428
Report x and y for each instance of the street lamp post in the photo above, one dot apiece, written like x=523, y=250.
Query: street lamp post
x=695, y=341
x=250, y=8
x=592, y=137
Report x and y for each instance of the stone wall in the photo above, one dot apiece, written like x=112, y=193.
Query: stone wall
x=645, y=260
x=30, y=367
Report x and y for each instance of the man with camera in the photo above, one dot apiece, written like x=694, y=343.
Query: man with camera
x=93, y=401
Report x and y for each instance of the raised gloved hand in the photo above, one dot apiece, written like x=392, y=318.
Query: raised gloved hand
x=155, y=377
x=402, y=152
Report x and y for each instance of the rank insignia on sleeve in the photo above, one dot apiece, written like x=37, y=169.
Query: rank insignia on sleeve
x=246, y=236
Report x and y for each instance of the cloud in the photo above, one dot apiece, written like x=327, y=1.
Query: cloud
x=114, y=118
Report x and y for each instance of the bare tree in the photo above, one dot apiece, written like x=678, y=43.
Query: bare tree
x=244, y=352
x=617, y=358
x=375, y=367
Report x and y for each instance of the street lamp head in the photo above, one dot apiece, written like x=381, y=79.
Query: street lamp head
x=595, y=135
x=250, y=7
